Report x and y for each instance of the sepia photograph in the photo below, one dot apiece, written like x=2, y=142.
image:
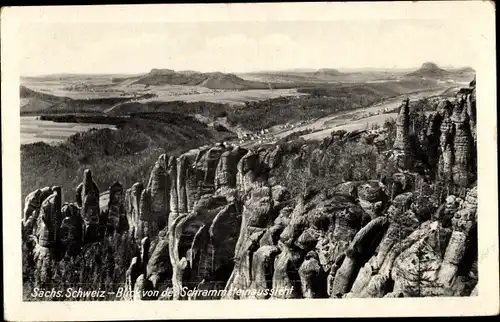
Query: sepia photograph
x=221, y=152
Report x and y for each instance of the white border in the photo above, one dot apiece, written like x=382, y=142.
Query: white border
x=478, y=15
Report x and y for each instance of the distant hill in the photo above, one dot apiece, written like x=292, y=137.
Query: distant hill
x=463, y=70
x=328, y=72
x=430, y=70
x=298, y=75
x=214, y=80
x=35, y=102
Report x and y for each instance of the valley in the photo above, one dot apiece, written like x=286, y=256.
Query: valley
x=312, y=183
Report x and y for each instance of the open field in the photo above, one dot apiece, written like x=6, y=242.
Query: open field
x=165, y=93
x=327, y=123
x=35, y=130
x=229, y=97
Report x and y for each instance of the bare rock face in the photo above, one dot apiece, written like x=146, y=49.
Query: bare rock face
x=446, y=148
x=159, y=268
x=133, y=198
x=32, y=203
x=357, y=252
x=241, y=277
x=262, y=269
x=192, y=252
x=71, y=230
x=190, y=175
x=145, y=226
x=471, y=111
x=158, y=188
x=421, y=255
x=31, y=220
x=448, y=209
x=194, y=176
x=209, y=168
x=174, y=192
x=223, y=233
x=463, y=223
x=227, y=168
x=78, y=195
x=45, y=259
x=349, y=188
x=432, y=138
x=372, y=191
x=154, y=202
x=90, y=207
x=444, y=108
x=286, y=273
x=372, y=197
x=312, y=277
x=248, y=171
x=275, y=157
x=415, y=269
x=33, y=223
x=401, y=183
x=306, y=243
x=51, y=219
x=116, y=220
x=462, y=143
x=256, y=213
x=138, y=286
x=402, y=141
x=182, y=165
x=373, y=276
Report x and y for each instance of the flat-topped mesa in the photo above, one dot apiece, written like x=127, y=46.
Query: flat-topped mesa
x=402, y=141
x=227, y=168
x=90, y=207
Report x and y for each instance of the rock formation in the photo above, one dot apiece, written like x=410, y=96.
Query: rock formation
x=132, y=205
x=462, y=143
x=225, y=175
x=71, y=231
x=90, y=207
x=115, y=215
x=216, y=218
x=402, y=128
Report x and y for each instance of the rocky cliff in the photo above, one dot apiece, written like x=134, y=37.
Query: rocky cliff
x=216, y=218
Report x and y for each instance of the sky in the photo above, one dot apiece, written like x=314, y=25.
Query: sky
x=242, y=46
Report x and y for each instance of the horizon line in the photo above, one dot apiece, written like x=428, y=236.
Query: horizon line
x=293, y=69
